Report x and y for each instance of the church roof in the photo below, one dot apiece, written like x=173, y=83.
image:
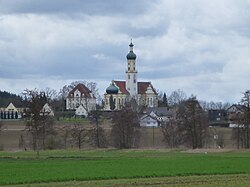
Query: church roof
x=142, y=87
x=122, y=86
x=82, y=89
x=131, y=55
x=112, y=89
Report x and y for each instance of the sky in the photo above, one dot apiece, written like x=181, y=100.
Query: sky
x=200, y=47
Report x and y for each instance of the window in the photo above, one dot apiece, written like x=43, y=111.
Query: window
x=128, y=76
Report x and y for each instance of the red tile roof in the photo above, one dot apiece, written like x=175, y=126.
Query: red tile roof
x=122, y=86
x=83, y=90
x=142, y=87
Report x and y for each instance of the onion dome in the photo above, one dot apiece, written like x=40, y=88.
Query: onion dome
x=112, y=89
x=131, y=55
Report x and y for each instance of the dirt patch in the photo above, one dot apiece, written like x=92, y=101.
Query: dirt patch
x=205, y=151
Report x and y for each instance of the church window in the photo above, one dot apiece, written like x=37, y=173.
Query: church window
x=151, y=101
x=129, y=68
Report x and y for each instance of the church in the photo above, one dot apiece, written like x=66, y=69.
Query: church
x=123, y=91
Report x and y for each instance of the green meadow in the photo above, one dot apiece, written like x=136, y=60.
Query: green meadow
x=92, y=167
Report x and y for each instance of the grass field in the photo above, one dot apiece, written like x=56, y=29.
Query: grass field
x=124, y=168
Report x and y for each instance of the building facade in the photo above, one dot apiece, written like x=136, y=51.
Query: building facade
x=11, y=112
x=81, y=96
x=123, y=91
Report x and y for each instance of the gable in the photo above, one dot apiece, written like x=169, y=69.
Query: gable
x=81, y=90
x=11, y=107
x=236, y=108
x=80, y=111
x=145, y=87
x=46, y=110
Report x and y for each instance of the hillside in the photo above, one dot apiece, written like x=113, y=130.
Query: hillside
x=6, y=98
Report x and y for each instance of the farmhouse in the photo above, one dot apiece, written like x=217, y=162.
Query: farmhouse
x=155, y=117
x=81, y=96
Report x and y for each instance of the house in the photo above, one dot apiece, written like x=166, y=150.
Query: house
x=81, y=111
x=235, y=114
x=218, y=117
x=46, y=110
x=11, y=112
x=80, y=95
x=155, y=117
x=148, y=121
x=124, y=91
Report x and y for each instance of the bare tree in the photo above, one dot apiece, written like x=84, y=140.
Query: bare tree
x=192, y=121
x=38, y=124
x=242, y=131
x=171, y=133
x=176, y=97
x=125, y=127
x=96, y=134
x=78, y=135
x=65, y=133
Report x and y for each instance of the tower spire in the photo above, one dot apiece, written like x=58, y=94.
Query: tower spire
x=131, y=45
x=131, y=72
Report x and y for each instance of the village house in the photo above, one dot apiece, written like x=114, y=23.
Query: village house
x=11, y=112
x=81, y=100
x=155, y=117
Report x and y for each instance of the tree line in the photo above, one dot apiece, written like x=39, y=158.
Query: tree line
x=188, y=126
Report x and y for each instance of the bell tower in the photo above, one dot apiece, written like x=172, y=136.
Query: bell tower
x=131, y=72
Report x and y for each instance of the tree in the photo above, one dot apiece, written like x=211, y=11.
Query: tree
x=65, y=132
x=242, y=131
x=96, y=134
x=78, y=134
x=163, y=101
x=125, y=127
x=171, y=133
x=38, y=124
x=176, y=97
x=111, y=103
x=192, y=121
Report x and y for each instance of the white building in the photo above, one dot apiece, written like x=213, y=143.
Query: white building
x=47, y=110
x=11, y=112
x=122, y=91
x=81, y=95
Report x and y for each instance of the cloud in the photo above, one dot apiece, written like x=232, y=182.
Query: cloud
x=96, y=7
x=201, y=47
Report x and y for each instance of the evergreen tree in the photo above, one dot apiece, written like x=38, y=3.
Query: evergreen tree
x=111, y=103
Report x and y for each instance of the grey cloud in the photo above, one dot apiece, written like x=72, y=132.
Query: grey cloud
x=93, y=7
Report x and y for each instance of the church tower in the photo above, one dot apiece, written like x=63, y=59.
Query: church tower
x=131, y=72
